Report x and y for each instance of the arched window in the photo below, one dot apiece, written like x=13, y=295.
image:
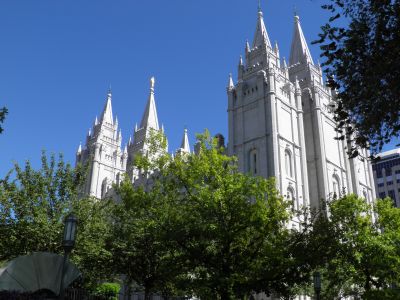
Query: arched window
x=104, y=187
x=335, y=186
x=288, y=163
x=253, y=162
x=291, y=197
x=118, y=178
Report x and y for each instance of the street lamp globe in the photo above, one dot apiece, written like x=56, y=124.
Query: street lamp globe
x=70, y=224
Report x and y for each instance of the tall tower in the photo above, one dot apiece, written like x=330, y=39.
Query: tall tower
x=141, y=134
x=330, y=170
x=281, y=124
x=102, y=153
x=265, y=118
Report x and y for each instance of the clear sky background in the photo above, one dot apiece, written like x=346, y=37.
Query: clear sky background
x=58, y=59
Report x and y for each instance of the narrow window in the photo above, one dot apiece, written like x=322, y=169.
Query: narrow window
x=253, y=161
x=288, y=163
x=335, y=186
x=104, y=188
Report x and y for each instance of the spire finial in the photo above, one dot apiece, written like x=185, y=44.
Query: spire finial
x=259, y=5
x=152, y=82
x=231, y=86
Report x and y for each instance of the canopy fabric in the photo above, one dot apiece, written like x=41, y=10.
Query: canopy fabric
x=38, y=271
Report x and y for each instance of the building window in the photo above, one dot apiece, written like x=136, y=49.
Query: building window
x=104, y=187
x=253, y=162
x=335, y=186
x=392, y=195
x=381, y=184
x=382, y=195
x=118, y=178
x=288, y=163
x=389, y=183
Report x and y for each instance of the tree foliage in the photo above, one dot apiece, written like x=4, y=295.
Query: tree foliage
x=201, y=227
x=363, y=64
x=33, y=205
x=361, y=255
x=3, y=113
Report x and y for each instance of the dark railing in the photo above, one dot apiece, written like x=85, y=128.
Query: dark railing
x=70, y=294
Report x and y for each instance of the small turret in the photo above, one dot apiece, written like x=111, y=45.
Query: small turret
x=285, y=68
x=79, y=151
x=185, y=147
x=276, y=48
x=247, y=48
x=230, y=86
x=297, y=86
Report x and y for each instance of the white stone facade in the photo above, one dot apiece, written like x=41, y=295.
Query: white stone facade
x=102, y=152
x=281, y=125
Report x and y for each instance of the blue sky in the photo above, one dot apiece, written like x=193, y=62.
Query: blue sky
x=58, y=58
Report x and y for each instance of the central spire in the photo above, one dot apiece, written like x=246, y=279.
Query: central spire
x=261, y=35
x=299, y=50
x=150, y=119
x=107, y=115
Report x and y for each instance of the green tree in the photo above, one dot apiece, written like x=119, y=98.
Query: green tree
x=141, y=242
x=3, y=113
x=361, y=253
x=33, y=205
x=202, y=227
x=361, y=43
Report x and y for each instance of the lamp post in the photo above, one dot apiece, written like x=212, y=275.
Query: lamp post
x=68, y=244
x=317, y=284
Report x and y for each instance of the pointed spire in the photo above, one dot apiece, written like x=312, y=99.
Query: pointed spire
x=299, y=49
x=89, y=132
x=319, y=67
x=130, y=141
x=116, y=121
x=79, y=149
x=126, y=150
x=185, y=147
x=150, y=119
x=276, y=48
x=261, y=35
x=247, y=47
x=96, y=122
x=241, y=61
x=120, y=135
x=284, y=63
x=162, y=128
x=231, y=86
x=136, y=128
x=107, y=116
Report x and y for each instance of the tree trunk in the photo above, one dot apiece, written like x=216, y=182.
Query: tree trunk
x=147, y=294
x=226, y=295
